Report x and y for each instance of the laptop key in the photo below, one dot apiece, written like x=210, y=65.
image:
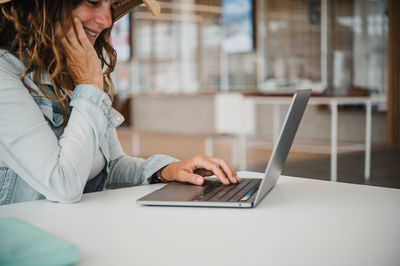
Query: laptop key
x=223, y=192
x=209, y=192
x=215, y=191
x=229, y=191
x=245, y=190
x=250, y=193
x=208, y=186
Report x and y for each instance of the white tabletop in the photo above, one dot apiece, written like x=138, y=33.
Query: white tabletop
x=300, y=222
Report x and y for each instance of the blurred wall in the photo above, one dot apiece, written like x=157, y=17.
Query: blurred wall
x=195, y=115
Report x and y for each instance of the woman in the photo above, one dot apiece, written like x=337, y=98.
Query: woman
x=57, y=126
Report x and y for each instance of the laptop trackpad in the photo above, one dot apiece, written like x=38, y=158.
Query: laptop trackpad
x=175, y=191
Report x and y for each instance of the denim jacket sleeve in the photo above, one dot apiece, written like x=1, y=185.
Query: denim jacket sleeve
x=57, y=168
x=129, y=171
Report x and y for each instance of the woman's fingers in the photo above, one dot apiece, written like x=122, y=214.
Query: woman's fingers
x=192, y=178
x=75, y=38
x=82, y=60
x=227, y=168
x=212, y=166
x=63, y=38
x=72, y=37
x=203, y=172
x=193, y=169
x=225, y=173
x=83, y=40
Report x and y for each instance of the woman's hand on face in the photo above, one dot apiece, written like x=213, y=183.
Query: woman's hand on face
x=194, y=169
x=82, y=60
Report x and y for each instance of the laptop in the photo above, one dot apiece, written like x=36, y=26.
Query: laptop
x=249, y=191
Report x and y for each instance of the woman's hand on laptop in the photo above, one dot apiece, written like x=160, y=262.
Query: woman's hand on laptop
x=194, y=169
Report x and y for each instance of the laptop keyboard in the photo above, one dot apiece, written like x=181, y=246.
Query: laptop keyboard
x=216, y=191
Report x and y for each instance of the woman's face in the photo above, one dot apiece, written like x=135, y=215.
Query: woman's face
x=95, y=16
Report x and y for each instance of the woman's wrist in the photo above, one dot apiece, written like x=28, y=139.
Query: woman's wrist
x=99, y=84
x=160, y=176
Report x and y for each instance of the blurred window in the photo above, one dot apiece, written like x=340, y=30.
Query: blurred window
x=332, y=46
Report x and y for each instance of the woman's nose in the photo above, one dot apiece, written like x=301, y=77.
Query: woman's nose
x=104, y=18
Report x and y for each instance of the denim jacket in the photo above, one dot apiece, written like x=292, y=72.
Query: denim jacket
x=38, y=159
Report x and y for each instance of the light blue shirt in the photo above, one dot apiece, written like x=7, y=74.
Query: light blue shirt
x=39, y=160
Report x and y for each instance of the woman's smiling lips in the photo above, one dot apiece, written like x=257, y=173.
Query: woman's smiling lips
x=92, y=35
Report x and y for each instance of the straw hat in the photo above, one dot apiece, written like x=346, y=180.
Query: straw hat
x=122, y=7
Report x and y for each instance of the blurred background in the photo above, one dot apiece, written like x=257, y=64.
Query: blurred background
x=216, y=76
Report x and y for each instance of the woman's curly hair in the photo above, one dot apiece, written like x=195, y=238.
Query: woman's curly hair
x=28, y=29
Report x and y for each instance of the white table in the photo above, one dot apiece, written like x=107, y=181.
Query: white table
x=249, y=104
x=300, y=222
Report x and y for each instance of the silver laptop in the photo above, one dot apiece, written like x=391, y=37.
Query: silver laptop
x=249, y=191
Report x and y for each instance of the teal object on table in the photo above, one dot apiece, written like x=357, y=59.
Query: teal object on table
x=24, y=244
